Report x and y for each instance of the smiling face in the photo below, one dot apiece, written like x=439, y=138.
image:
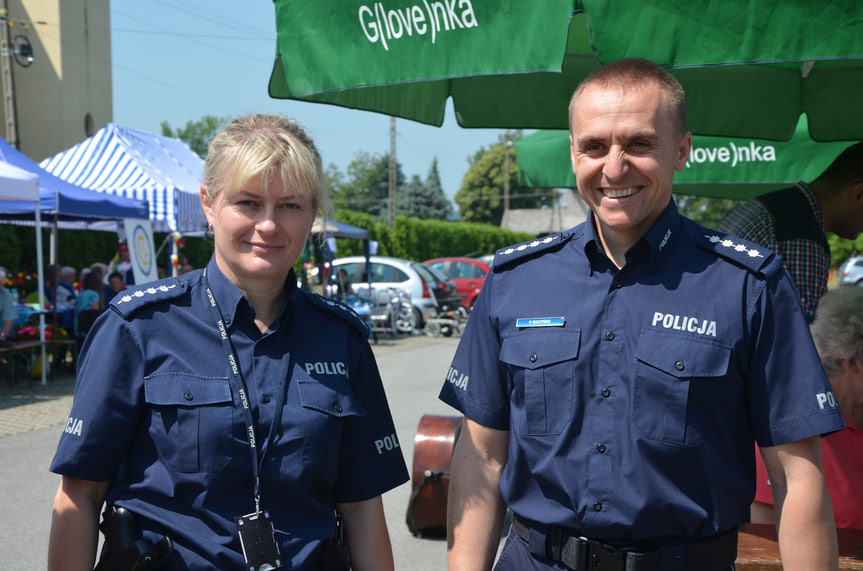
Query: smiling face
x=259, y=230
x=625, y=149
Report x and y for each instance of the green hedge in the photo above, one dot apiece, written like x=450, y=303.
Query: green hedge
x=419, y=240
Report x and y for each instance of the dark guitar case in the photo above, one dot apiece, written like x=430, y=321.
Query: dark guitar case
x=433, y=448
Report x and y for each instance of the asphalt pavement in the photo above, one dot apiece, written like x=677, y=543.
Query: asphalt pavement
x=32, y=416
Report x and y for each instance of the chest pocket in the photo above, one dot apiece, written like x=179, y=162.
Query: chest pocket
x=668, y=364
x=543, y=367
x=326, y=404
x=191, y=419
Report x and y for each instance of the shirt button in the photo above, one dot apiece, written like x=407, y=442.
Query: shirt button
x=337, y=407
x=606, y=393
x=265, y=398
x=616, y=284
x=679, y=365
x=188, y=396
x=597, y=507
x=533, y=358
x=600, y=448
x=609, y=336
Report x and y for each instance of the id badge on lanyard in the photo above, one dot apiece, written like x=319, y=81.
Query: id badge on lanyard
x=256, y=531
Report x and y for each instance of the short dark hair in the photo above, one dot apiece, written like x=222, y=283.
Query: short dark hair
x=846, y=169
x=630, y=73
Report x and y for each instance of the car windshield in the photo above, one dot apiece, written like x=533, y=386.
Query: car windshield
x=438, y=275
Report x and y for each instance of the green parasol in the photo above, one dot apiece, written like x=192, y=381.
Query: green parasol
x=750, y=69
x=718, y=167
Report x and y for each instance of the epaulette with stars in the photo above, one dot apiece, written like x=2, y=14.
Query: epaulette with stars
x=751, y=256
x=343, y=310
x=513, y=254
x=130, y=300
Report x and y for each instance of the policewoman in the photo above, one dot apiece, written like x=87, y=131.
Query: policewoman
x=226, y=417
x=615, y=412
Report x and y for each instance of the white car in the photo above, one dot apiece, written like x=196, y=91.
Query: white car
x=395, y=273
x=851, y=272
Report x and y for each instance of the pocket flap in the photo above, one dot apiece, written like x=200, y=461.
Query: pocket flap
x=683, y=356
x=535, y=349
x=334, y=399
x=178, y=389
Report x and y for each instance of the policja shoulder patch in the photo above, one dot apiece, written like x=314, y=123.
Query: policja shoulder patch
x=513, y=254
x=130, y=301
x=751, y=256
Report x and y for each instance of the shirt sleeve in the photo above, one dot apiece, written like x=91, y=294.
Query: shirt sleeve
x=371, y=461
x=107, y=405
x=477, y=383
x=751, y=221
x=790, y=395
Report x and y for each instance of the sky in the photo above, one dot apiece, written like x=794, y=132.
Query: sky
x=177, y=61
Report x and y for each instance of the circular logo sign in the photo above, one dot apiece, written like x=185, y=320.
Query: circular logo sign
x=144, y=256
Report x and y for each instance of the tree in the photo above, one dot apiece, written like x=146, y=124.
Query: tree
x=435, y=203
x=480, y=198
x=709, y=212
x=197, y=134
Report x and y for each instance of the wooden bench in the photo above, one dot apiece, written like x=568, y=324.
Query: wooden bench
x=29, y=349
x=12, y=352
x=758, y=550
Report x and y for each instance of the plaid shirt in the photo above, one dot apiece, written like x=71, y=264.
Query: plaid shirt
x=808, y=263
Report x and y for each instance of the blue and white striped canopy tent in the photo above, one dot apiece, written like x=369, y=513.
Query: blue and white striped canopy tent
x=62, y=203
x=137, y=164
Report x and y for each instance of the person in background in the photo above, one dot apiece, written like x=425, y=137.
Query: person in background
x=115, y=286
x=343, y=285
x=8, y=312
x=80, y=285
x=90, y=297
x=792, y=222
x=615, y=413
x=66, y=296
x=226, y=399
x=838, y=334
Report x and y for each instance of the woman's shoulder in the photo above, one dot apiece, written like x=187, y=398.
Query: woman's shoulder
x=127, y=302
x=337, y=308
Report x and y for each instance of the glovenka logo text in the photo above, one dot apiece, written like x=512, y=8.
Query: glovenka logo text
x=732, y=154
x=382, y=24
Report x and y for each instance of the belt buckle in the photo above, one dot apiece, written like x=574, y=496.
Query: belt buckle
x=604, y=557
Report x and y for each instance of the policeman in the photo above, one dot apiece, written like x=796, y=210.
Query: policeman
x=227, y=410
x=615, y=413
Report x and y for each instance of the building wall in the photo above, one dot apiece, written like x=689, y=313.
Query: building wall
x=65, y=95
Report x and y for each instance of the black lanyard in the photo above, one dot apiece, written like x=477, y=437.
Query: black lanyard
x=239, y=385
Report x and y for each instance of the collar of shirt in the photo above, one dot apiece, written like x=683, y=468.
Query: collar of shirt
x=229, y=297
x=813, y=203
x=656, y=241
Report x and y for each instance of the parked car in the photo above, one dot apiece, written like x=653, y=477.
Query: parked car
x=468, y=274
x=443, y=288
x=851, y=272
x=395, y=273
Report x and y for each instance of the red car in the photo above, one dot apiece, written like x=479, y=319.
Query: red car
x=468, y=274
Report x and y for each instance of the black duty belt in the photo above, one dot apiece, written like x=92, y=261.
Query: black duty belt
x=582, y=554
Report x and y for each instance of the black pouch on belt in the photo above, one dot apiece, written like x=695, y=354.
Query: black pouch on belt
x=125, y=548
x=334, y=552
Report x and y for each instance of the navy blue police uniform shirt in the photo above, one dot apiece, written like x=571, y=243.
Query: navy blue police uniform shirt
x=154, y=413
x=632, y=396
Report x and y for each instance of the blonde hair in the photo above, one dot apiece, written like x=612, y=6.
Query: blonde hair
x=271, y=145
